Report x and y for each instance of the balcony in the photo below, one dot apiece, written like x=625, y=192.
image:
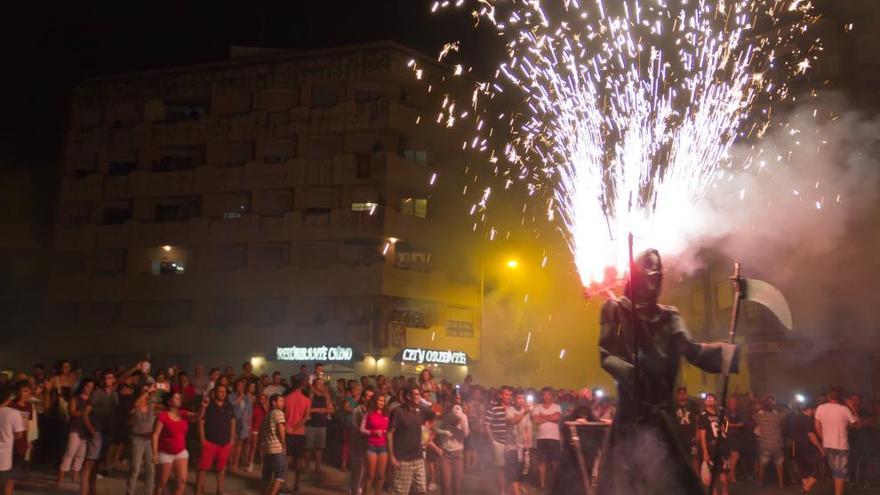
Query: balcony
x=179, y=183
x=88, y=188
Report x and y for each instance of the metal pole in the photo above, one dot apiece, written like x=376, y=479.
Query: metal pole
x=737, y=281
x=634, y=327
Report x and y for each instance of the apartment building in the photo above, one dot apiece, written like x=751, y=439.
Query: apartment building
x=277, y=199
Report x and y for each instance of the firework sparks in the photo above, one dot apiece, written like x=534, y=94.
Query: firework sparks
x=629, y=114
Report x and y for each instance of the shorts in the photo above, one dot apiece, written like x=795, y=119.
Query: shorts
x=296, y=445
x=166, y=458
x=214, y=454
x=766, y=455
x=410, y=477
x=9, y=474
x=274, y=467
x=549, y=450
x=515, y=466
x=837, y=461
x=316, y=437
x=453, y=455
x=376, y=450
x=498, y=453
x=95, y=447
x=807, y=464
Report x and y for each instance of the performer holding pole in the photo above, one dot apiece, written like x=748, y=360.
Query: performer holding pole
x=644, y=455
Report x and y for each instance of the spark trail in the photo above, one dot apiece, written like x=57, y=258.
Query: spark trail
x=628, y=111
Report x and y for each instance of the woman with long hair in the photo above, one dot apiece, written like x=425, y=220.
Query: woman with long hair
x=261, y=409
x=75, y=453
x=427, y=386
x=169, y=443
x=375, y=427
x=140, y=429
x=242, y=401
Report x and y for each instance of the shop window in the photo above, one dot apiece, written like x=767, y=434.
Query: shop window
x=177, y=209
x=235, y=205
x=416, y=207
x=420, y=156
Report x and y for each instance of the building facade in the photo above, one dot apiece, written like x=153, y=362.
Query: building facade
x=220, y=211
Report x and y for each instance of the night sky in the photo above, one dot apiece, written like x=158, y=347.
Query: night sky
x=50, y=48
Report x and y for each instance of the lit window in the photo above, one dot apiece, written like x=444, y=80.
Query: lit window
x=416, y=155
x=416, y=207
x=168, y=267
x=459, y=328
x=367, y=207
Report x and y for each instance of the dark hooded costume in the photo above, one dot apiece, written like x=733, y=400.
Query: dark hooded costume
x=645, y=455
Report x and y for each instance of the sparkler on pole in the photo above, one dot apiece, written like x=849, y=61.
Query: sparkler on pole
x=639, y=99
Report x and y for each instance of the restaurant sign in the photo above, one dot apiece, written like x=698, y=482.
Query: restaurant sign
x=433, y=356
x=319, y=353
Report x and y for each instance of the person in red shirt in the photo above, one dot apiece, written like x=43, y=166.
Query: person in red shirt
x=169, y=442
x=187, y=390
x=375, y=427
x=297, y=408
x=261, y=409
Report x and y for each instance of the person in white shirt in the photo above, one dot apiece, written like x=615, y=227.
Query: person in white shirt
x=832, y=421
x=12, y=428
x=546, y=416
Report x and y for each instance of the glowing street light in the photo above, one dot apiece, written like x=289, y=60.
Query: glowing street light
x=512, y=264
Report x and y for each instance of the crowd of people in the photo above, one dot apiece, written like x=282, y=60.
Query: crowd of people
x=399, y=434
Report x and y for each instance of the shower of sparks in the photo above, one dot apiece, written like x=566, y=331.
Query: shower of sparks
x=629, y=110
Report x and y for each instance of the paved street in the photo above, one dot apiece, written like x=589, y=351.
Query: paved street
x=334, y=482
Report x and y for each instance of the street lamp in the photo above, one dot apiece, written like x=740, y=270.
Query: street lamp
x=512, y=264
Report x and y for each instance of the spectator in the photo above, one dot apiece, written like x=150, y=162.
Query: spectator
x=200, y=382
x=296, y=413
x=217, y=428
x=686, y=413
x=735, y=435
x=140, y=425
x=75, y=454
x=272, y=441
x=519, y=440
x=769, y=428
x=316, y=427
x=358, y=439
x=374, y=426
x=169, y=442
x=807, y=448
x=12, y=435
x=318, y=374
x=275, y=387
x=710, y=432
x=832, y=421
x=452, y=432
x=242, y=402
x=303, y=375
x=405, y=445
x=475, y=410
x=427, y=387
x=261, y=409
x=97, y=420
x=496, y=427
x=546, y=417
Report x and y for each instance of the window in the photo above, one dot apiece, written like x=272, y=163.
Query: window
x=319, y=174
x=181, y=112
x=412, y=258
x=69, y=263
x=76, y=213
x=459, y=322
x=108, y=262
x=415, y=207
x=101, y=314
x=275, y=202
x=177, y=209
x=235, y=205
x=181, y=158
x=166, y=266
x=361, y=252
x=158, y=314
x=363, y=167
x=226, y=312
x=316, y=216
x=269, y=256
x=324, y=96
x=116, y=212
x=121, y=167
x=367, y=207
x=317, y=254
x=368, y=95
x=416, y=155
x=64, y=314
x=226, y=258
x=265, y=311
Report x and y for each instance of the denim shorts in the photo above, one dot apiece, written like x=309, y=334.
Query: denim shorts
x=374, y=450
x=837, y=460
x=274, y=467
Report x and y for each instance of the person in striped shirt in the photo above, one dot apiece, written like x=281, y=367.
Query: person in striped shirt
x=497, y=426
x=272, y=446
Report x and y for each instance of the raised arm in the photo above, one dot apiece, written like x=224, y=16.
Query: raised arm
x=613, y=345
x=711, y=358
